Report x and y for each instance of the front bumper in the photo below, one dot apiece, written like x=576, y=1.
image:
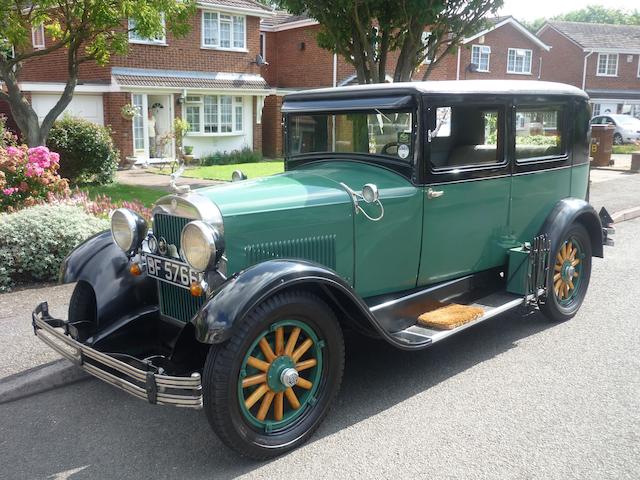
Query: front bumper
x=143, y=382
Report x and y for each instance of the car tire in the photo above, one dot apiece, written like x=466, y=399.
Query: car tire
x=617, y=139
x=244, y=426
x=569, y=274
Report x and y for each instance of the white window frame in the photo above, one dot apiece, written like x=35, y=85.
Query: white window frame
x=487, y=50
x=40, y=31
x=515, y=53
x=231, y=32
x=638, y=66
x=147, y=41
x=236, y=101
x=605, y=74
x=263, y=48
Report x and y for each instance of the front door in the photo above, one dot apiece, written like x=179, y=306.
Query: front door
x=152, y=126
x=466, y=196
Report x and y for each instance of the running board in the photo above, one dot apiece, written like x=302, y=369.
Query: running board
x=418, y=336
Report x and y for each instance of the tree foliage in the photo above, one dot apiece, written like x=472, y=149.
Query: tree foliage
x=369, y=33
x=593, y=14
x=87, y=30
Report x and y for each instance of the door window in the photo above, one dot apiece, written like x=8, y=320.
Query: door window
x=466, y=136
x=539, y=132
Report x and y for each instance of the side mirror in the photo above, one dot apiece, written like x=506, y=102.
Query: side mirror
x=237, y=176
x=370, y=193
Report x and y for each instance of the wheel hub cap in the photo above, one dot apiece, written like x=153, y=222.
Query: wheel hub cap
x=289, y=377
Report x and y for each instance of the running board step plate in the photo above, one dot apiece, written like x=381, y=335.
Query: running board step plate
x=493, y=305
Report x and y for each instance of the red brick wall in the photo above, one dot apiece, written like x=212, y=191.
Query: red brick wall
x=179, y=54
x=564, y=62
x=500, y=40
x=272, y=127
x=257, y=128
x=122, y=129
x=626, y=79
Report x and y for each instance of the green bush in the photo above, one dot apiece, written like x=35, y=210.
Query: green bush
x=35, y=241
x=246, y=155
x=87, y=152
x=537, y=140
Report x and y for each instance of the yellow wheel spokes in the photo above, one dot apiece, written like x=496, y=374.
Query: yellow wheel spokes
x=263, y=391
x=563, y=287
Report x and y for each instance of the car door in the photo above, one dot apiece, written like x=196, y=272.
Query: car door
x=466, y=193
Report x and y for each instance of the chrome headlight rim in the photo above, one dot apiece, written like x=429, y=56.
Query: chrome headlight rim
x=136, y=227
x=211, y=239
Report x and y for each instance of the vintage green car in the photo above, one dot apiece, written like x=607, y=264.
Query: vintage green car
x=407, y=212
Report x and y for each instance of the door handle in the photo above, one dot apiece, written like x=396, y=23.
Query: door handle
x=431, y=193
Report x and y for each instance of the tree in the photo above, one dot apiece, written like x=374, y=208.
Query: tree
x=367, y=32
x=87, y=30
x=593, y=14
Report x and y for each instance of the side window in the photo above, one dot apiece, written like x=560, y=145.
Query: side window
x=539, y=132
x=466, y=136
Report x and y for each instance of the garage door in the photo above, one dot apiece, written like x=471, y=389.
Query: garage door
x=88, y=107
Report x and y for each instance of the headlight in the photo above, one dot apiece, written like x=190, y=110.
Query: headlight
x=127, y=229
x=202, y=245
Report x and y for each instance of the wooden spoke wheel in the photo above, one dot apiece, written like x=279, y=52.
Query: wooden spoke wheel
x=280, y=375
x=270, y=385
x=569, y=274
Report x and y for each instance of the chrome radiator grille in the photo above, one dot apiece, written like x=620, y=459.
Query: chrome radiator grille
x=175, y=302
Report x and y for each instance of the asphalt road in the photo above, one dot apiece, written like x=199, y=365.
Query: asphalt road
x=516, y=397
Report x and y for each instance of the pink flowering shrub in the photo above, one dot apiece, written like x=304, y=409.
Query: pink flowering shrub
x=28, y=176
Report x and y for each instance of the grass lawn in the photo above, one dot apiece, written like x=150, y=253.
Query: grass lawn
x=626, y=148
x=223, y=172
x=121, y=192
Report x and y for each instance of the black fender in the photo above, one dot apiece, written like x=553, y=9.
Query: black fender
x=573, y=210
x=103, y=265
x=234, y=299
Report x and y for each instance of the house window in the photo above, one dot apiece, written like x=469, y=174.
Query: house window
x=595, y=109
x=263, y=45
x=519, y=61
x=37, y=36
x=135, y=37
x=214, y=114
x=425, y=43
x=607, y=64
x=138, y=122
x=480, y=57
x=220, y=30
x=638, y=66
x=238, y=112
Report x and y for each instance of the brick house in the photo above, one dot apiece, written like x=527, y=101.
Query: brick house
x=212, y=77
x=504, y=50
x=602, y=59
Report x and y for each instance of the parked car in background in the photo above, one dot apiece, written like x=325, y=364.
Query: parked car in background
x=627, y=127
x=407, y=212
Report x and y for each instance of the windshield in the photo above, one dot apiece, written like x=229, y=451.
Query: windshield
x=385, y=133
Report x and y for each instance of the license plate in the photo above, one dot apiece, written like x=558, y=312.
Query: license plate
x=170, y=271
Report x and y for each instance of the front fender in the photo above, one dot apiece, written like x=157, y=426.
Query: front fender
x=567, y=212
x=103, y=265
x=235, y=298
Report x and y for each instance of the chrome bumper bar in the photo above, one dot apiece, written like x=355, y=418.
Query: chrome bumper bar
x=154, y=387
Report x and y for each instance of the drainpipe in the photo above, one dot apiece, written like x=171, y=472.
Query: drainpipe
x=335, y=69
x=458, y=66
x=584, y=70
x=540, y=68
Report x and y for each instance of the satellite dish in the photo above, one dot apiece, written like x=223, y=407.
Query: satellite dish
x=260, y=61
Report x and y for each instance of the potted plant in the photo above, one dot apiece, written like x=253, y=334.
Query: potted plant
x=128, y=111
x=187, y=153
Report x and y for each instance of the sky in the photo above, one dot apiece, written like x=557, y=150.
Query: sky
x=532, y=9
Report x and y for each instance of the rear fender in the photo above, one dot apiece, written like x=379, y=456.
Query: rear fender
x=569, y=211
x=103, y=265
